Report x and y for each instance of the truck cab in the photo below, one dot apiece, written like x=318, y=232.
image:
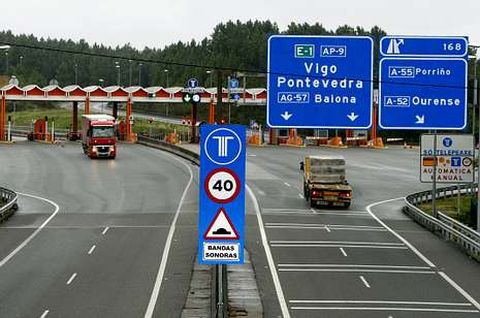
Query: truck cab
x=98, y=136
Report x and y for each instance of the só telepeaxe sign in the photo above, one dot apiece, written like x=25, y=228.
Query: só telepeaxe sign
x=320, y=82
x=454, y=154
x=222, y=194
x=423, y=82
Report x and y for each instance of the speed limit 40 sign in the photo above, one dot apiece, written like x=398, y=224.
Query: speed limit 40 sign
x=222, y=194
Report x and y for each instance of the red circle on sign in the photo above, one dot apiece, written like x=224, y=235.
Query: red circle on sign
x=212, y=196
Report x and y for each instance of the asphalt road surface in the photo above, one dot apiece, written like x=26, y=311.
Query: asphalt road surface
x=347, y=263
x=90, y=236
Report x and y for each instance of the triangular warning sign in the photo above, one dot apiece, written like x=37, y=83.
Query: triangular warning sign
x=221, y=228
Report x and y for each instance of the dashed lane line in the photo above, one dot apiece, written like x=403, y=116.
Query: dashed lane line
x=90, y=251
x=45, y=313
x=70, y=280
x=343, y=252
x=105, y=230
x=364, y=281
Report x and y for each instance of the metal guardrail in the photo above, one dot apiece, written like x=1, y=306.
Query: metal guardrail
x=220, y=293
x=446, y=227
x=9, y=200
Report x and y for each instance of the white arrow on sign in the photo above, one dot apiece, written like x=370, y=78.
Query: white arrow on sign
x=187, y=98
x=420, y=119
x=286, y=115
x=353, y=116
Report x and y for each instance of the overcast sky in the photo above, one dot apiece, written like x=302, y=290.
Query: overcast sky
x=156, y=23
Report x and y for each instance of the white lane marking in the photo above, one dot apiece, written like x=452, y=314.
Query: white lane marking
x=313, y=226
x=105, y=230
x=327, y=229
x=337, y=242
x=419, y=254
x=45, y=313
x=313, y=211
x=382, y=302
x=35, y=233
x=268, y=253
x=70, y=280
x=261, y=192
x=357, y=266
x=343, y=252
x=287, y=184
x=251, y=155
x=166, y=249
x=342, y=245
x=388, y=309
x=364, y=281
x=356, y=270
x=301, y=196
x=90, y=251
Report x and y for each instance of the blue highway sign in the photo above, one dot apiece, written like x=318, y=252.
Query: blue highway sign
x=233, y=83
x=320, y=82
x=453, y=46
x=423, y=92
x=222, y=194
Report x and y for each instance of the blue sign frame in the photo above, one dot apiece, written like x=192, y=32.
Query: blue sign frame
x=222, y=150
x=320, y=82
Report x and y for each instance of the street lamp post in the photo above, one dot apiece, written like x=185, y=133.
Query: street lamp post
x=166, y=107
x=21, y=60
x=76, y=73
x=6, y=48
x=140, y=74
x=117, y=66
x=130, y=72
x=209, y=72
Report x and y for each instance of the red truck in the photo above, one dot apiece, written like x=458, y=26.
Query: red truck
x=98, y=136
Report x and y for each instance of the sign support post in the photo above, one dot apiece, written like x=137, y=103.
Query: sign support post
x=434, y=184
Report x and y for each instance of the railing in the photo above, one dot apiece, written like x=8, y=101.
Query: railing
x=452, y=230
x=9, y=205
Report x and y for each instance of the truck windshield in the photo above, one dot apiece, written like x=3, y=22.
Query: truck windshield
x=102, y=131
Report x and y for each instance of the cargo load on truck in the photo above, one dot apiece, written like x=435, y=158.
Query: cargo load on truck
x=99, y=136
x=325, y=181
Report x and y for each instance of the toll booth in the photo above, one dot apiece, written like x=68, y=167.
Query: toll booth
x=121, y=130
x=39, y=130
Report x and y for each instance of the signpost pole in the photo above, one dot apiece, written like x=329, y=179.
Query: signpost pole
x=434, y=184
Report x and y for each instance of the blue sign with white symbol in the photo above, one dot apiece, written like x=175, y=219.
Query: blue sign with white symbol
x=447, y=142
x=233, y=83
x=423, y=92
x=430, y=46
x=320, y=82
x=222, y=194
x=192, y=83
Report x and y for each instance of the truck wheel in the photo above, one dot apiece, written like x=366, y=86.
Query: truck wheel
x=312, y=203
x=346, y=205
x=306, y=195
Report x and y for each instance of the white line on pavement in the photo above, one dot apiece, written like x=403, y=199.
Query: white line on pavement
x=261, y=192
x=382, y=302
x=356, y=270
x=287, y=184
x=388, y=309
x=364, y=281
x=45, y=313
x=105, y=230
x=357, y=266
x=343, y=251
x=268, y=253
x=313, y=211
x=90, y=251
x=342, y=245
x=337, y=242
x=35, y=233
x=166, y=249
x=418, y=253
x=301, y=196
x=327, y=229
x=70, y=280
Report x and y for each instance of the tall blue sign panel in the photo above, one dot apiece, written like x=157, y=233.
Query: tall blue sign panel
x=222, y=194
x=423, y=83
x=320, y=82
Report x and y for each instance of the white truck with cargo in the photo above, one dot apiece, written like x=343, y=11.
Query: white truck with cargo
x=324, y=181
